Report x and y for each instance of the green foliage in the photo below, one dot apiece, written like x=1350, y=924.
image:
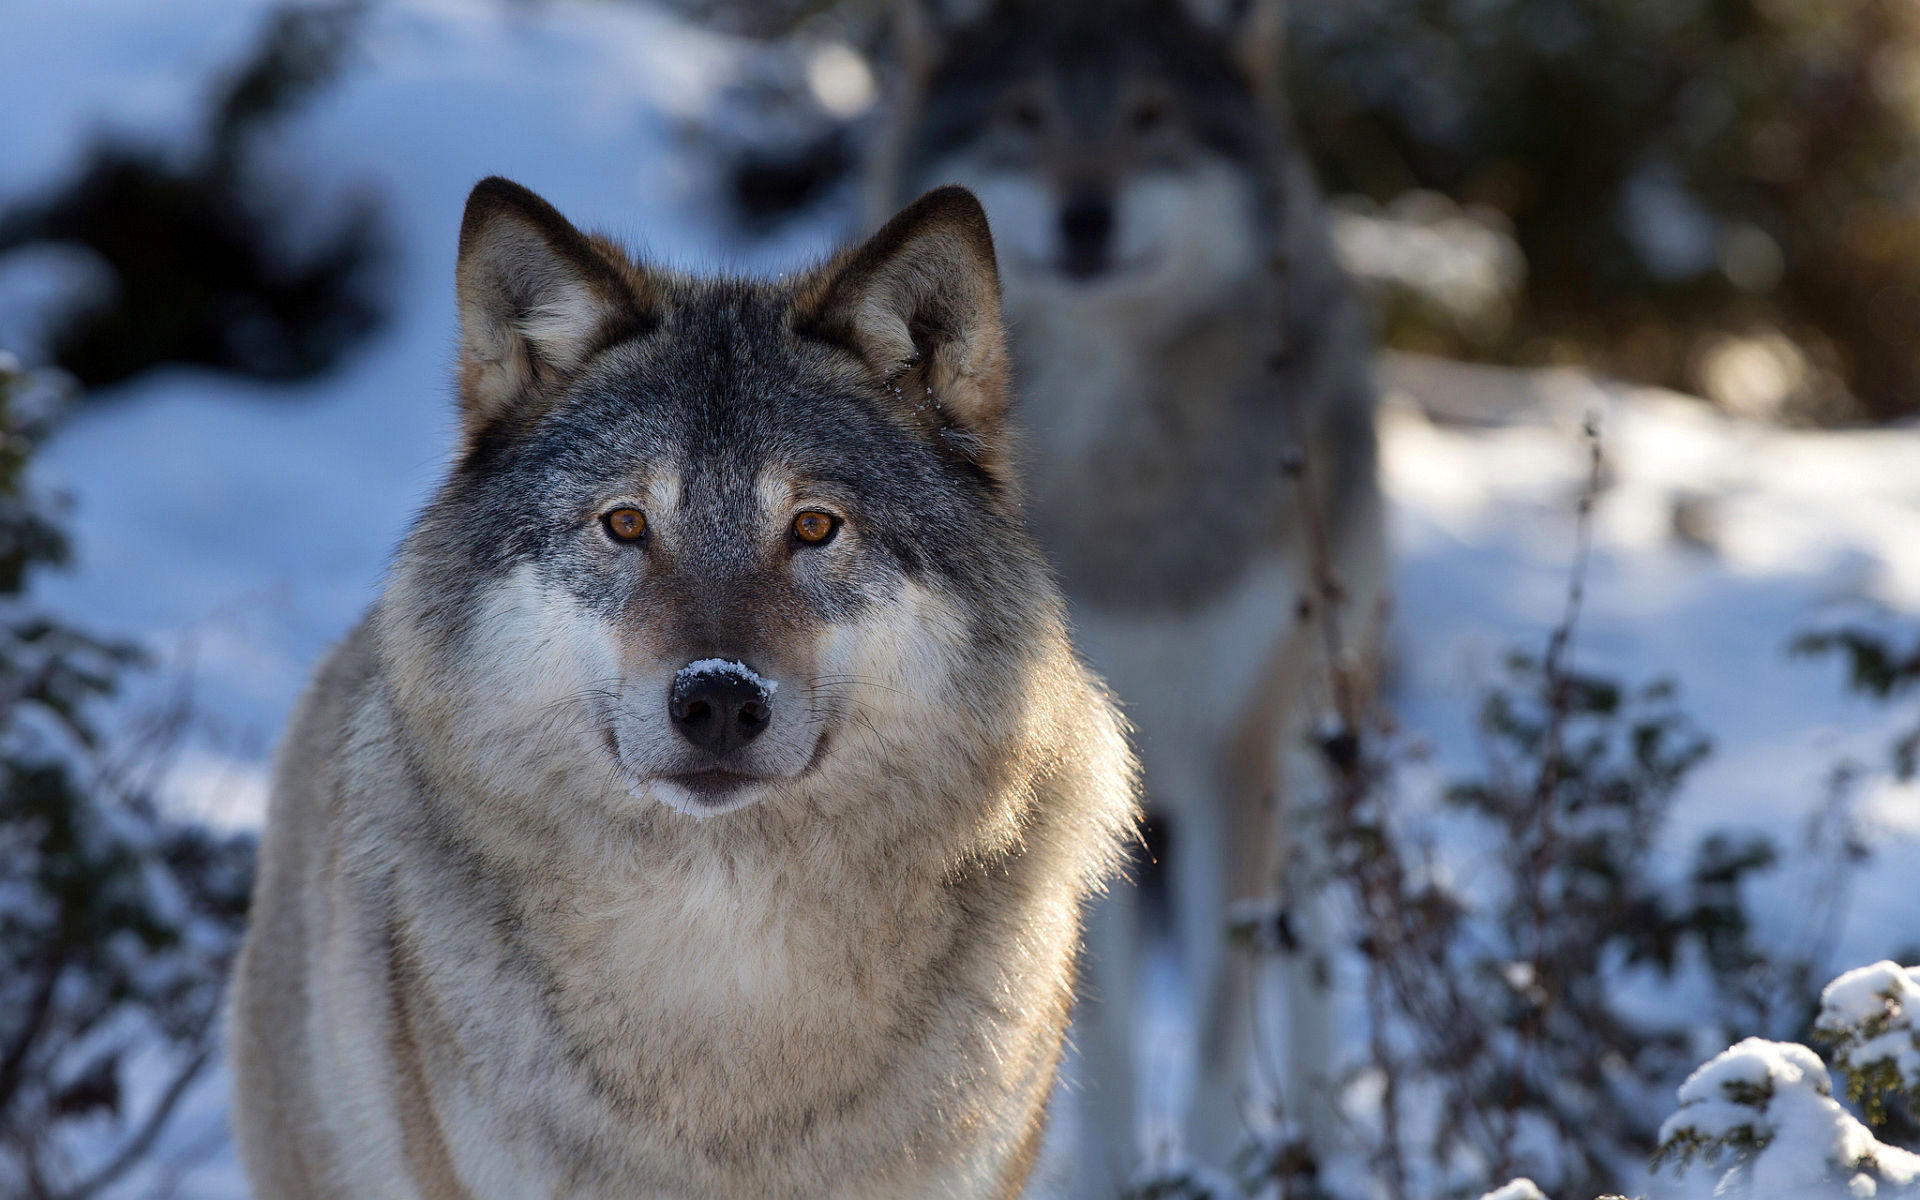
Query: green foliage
x=1880, y=1049
x=1688, y=1146
x=1870, y=1085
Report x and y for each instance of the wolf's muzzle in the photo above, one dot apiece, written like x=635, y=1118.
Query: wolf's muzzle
x=1086, y=234
x=721, y=707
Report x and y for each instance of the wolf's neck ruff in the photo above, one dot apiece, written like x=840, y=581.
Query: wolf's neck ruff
x=706, y=806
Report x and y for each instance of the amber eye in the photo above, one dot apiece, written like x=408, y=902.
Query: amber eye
x=626, y=524
x=814, y=527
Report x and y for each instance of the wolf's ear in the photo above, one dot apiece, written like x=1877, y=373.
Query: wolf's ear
x=536, y=297
x=921, y=28
x=1256, y=30
x=916, y=37
x=919, y=303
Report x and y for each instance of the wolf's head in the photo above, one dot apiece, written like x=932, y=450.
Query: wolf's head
x=704, y=536
x=1120, y=146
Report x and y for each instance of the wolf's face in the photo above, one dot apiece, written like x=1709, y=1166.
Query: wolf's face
x=709, y=533
x=1118, y=147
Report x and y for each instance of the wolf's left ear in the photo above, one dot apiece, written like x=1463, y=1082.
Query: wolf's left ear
x=922, y=28
x=1255, y=29
x=536, y=297
x=919, y=303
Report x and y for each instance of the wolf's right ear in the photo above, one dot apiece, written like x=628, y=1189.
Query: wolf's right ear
x=919, y=303
x=1256, y=31
x=921, y=29
x=536, y=297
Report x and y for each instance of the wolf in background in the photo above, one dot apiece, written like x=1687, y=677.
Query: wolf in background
x=1178, y=323
x=706, y=807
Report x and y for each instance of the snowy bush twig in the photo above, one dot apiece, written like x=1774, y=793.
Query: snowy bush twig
x=1878, y=667
x=1494, y=1032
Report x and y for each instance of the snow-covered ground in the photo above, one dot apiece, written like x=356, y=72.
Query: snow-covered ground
x=1716, y=542
x=241, y=527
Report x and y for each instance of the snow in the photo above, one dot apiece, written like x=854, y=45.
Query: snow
x=1519, y=1189
x=67, y=79
x=1777, y=1097
x=726, y=666
x=1868, y=1014
x=1754, y=1066
x=1716, y=542
x=1463, y=263
x=1880, y=993
x=239, y=528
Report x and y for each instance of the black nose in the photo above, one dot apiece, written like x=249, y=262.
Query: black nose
x=1086, y=229
x=718, y=710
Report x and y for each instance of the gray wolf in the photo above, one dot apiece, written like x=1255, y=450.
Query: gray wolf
x=1178, y=322
x=706, y=806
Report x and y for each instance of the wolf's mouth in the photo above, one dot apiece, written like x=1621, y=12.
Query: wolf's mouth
x=714, y=783
x=703, y=785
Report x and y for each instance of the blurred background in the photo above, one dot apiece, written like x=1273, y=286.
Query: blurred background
x=1693, y=226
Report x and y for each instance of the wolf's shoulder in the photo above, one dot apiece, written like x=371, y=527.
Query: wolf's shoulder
x=341, y=687
x=348, y=673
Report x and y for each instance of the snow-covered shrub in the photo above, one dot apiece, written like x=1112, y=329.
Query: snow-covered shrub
x=1761, y=1096
x=1496, y=1006
x=116, y=923
x=1761, y=1119
x=1867, y=1016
